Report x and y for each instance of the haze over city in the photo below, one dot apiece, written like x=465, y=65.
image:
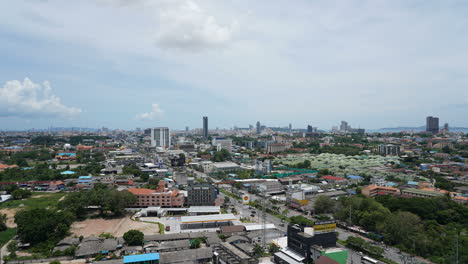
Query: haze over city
x=127, y=64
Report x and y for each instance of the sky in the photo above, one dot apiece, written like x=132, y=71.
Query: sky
x=147, y=63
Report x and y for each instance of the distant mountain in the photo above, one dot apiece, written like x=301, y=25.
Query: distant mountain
x=416, y=129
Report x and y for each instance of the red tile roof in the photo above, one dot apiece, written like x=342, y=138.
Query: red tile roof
x=140, y=191
x=333, y=178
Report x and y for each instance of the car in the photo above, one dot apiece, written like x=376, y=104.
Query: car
x=282, y=224
x=252, y=215
x=253, y=212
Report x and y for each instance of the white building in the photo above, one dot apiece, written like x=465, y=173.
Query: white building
x=222, y=143
x=160, y=137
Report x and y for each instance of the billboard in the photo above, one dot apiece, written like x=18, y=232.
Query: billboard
x=324, y=226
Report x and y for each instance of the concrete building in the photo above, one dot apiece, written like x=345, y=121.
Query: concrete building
x=344, y=126
x=205, y=127
x=388, y=149
x=410, y=192
x=201, y=194
x=227, y=253
x=160, y=137
x=222, y=143
x=301, y=241
x=374, y=190
x=225, y=166
x=258, y=128
x=432, y=124
x=277, y=147
x=264, y=167
x=206, y=221
x=162, y=197
x=270, y=187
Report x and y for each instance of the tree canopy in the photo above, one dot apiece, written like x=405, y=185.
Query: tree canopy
x=39, y=225
x=133, y=237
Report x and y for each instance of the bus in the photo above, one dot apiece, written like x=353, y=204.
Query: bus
x=369, y=260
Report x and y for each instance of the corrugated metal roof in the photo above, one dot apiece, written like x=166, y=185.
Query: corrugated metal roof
x=141, y=257
x=207, y=218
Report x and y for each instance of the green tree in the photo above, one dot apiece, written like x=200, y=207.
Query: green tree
x=259, y=250
x=272, y=248
x=21, y=194
x=133, y=237
x=39, y=225
x=3, y=220
x=324, y=204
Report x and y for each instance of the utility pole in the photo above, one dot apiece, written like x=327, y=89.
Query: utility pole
x=457, y=248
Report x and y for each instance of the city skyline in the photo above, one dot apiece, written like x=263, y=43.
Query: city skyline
x=234, y=61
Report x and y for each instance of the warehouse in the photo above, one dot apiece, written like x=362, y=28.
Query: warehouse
x=206, y=221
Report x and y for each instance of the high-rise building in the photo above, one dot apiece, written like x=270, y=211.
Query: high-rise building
x=205, y=127
x=446, y=127
x=344, y=126
x=186, y=129
x=309, y=129
x=259, y=128
x=160, y=137
x=147, y=132
x=290, y=127
x=432, y=124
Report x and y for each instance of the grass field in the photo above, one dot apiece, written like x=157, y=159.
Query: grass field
x=38, y=200
x=6, y=235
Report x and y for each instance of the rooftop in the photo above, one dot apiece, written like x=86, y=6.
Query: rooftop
x=207, y=218
x=141, y=258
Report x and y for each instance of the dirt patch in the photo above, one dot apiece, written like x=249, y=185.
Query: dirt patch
x=94, y=227
x=116, y=227
x=128, y=224
x=10, y=216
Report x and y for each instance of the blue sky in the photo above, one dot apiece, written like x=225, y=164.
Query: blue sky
x=169, y=62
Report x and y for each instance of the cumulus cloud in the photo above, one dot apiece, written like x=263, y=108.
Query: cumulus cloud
x=156, y=112
x=183, y=24
x=29, y=99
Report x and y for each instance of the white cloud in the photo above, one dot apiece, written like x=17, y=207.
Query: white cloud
x=183, y=24
x=156, y=112
x=28, y=99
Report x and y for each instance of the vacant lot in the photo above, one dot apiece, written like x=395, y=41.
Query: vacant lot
x=38, y=200
x=10, y=213
x=117, y=227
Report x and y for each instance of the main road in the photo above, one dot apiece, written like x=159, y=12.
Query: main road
x=391, y=253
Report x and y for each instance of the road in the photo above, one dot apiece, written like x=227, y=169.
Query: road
x=354, y=257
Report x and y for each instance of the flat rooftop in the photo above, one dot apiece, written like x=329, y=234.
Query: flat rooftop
x=207, y=218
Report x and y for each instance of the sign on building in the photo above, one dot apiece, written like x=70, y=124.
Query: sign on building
x=324, y=226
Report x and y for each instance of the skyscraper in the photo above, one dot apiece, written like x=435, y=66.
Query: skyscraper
x=432, y=124
x=160, y=137
x=344, y=126
x=205, y=127
x=309, y=129
x=259, y=128
x=290, y=127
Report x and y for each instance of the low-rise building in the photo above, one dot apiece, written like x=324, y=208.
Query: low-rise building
x=162, y=197
x=374, y=190
x=411, y=192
